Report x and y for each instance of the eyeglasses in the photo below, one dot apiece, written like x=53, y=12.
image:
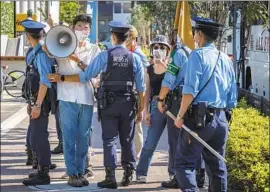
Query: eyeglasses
x=162, y=47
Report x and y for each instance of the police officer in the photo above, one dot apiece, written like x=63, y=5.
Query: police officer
x=171, y=91
x=121, y=69
x=36, y=92
x=209, y=91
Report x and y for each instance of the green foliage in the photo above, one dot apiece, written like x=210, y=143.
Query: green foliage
x=162, y=14
x=101, y=46
x=248, y=150
x=142, y=21
x=146, y=51
x=254, y=11
x=68, y=10
x=7, y=19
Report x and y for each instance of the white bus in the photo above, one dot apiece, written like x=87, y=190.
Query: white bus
x=257, y=63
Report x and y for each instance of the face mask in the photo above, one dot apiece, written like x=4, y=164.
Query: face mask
x=196, y=45
x=81, y=35
x=159, y=54
x=41, y=42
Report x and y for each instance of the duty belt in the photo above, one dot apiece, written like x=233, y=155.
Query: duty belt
x=209, y=109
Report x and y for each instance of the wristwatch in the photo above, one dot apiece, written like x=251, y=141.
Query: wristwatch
x=160, y=100
x=38, y=105
x=62, y=77
x=80, y=63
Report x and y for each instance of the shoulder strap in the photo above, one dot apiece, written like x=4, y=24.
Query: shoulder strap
x=186, y=52
x=32, y=61
x=207, y=80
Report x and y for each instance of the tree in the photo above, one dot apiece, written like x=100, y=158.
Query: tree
x=7, y=18
x=141, y=20
x=68, y=10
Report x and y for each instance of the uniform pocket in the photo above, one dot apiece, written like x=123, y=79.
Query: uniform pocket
x=222, y=117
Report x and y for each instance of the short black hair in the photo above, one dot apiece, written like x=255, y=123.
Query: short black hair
x=83, y=18
x=121, y=37
x=36, y=36
x=209, y=36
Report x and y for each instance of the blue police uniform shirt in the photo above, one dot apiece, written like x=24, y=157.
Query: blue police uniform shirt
x=180, y=60
x=221, y=91
x=100, y=64
x=144, y=59
x=42, y=63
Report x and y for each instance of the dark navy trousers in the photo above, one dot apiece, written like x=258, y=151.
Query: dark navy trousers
x=39, y=138
x=118, y=120
x=215, y=134
x=59, y=132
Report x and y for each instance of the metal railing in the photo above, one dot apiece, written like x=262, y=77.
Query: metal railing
x=255, y=100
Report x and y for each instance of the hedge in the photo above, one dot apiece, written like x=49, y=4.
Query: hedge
x=247, y=152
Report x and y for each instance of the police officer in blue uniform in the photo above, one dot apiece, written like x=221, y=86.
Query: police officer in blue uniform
x=116, y=101
x=209, y=91
x=35, y=90
x=171, y=94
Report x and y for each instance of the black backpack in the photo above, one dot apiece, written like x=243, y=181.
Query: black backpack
x=30, y=86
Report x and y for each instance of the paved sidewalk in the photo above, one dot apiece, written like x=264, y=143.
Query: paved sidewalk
x=14, y=170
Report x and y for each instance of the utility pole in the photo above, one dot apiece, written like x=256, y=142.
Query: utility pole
x=234, y=38
x=243, y=47
x=14, y=18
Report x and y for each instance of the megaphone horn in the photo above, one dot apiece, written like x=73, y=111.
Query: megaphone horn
x=61, y=41
x=64, y=39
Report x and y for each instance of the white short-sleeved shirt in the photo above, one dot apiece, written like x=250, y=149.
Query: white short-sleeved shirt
x=81, y=93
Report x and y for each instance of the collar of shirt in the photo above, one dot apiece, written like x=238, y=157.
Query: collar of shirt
x=36, y=48
x=209, y=45
x=119, y=45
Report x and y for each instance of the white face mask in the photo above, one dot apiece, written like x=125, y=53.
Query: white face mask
x=41, y=42
x=196, y=45
x=81, y=35
x=159, y=54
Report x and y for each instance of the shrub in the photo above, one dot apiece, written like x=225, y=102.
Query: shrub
x=68, y=11
x=7, y=17
x=248, y=150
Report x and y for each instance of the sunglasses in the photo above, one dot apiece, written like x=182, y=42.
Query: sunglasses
x=162, y=47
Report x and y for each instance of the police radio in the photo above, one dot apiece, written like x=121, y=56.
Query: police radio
x=61, y=41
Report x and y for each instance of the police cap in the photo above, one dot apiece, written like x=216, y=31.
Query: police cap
x=33, y=26
x=207, y=26
x=119, y=27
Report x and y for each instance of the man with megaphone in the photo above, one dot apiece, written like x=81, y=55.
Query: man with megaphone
x=73, y=52
x=116, y=101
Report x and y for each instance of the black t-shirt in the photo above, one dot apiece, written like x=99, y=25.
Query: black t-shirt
x=155, y=80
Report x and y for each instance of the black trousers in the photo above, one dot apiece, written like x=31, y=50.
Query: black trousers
x=40, y=138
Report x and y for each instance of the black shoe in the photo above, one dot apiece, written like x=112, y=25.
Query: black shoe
x=31, y=175
x=200, y=177
x=110, y=181
x=58, y=149
x=74, y=181
x=84, y=180
x=172, y=184
x=29, y=160
x=128, y=176
x=41, y=177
